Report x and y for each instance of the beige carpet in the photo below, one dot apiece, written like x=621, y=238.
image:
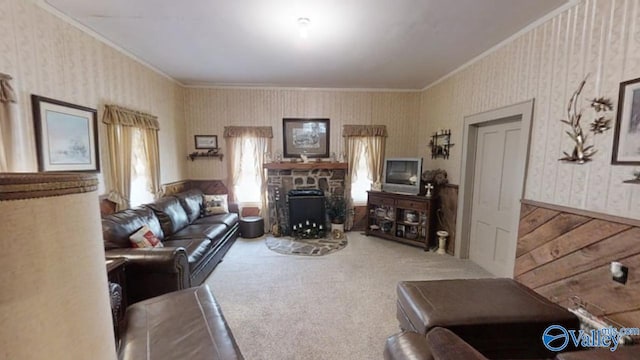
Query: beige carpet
x=338, y=306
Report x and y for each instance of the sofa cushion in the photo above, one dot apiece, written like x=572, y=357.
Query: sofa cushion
x=215, y=204
x=191, y=201
x=117, y=227
x=227, y=219
x=172, y=216
x=196, y=249
x=209, y=231
x=144, y=238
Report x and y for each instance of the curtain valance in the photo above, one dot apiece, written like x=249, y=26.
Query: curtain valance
x=117, y=115
x=364, y=130
x=255, y=131
x=7, y=95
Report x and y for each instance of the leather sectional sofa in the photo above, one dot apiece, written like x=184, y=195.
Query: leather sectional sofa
x=193, y=244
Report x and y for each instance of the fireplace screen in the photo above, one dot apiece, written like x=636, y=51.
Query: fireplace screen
x=306, y=207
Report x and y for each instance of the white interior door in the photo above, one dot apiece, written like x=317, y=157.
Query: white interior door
x=497, y=187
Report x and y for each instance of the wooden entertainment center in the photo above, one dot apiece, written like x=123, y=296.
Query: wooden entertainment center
x=409, y=219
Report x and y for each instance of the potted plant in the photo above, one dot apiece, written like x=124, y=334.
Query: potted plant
x=336, y=208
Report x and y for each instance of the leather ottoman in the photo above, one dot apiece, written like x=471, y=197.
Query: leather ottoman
x=251, y=227
x=185, y=324
x=498, y=317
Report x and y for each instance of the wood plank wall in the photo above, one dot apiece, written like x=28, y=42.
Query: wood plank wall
x=564, y=252
x=447, y=213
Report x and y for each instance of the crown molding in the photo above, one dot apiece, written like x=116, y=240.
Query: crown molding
x=295, y=88
x=43, y=4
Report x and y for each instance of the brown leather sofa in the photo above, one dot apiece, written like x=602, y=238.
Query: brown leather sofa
x=186, y=324
x=500, y=318
x=443, y=344
x=193, y=244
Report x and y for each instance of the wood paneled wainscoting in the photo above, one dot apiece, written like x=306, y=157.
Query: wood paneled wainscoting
x=564, y=253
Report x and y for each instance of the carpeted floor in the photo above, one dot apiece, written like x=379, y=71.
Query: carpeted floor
x=338, y=306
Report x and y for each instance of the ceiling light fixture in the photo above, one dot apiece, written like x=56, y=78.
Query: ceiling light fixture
x=303, y=27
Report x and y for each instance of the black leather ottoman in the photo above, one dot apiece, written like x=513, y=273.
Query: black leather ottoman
x=498, y=317
x=251, y=227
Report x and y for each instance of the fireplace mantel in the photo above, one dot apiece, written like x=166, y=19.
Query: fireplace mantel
x=308, y=166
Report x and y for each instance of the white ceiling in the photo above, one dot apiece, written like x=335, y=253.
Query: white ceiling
x=393, y=44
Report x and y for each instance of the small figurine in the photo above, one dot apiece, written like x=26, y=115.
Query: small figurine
x=429, y=188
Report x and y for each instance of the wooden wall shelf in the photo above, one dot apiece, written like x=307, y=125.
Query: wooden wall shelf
x=308, y=166
x=195, y=155
x=440, y=144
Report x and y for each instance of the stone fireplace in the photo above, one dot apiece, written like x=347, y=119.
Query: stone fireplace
x=282, y=177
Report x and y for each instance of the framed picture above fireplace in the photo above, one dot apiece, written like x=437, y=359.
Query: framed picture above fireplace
x=305, y=136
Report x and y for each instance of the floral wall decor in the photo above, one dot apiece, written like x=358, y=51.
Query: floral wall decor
x=602, y=122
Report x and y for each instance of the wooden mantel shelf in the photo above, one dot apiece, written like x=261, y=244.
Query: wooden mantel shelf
x=312, y=165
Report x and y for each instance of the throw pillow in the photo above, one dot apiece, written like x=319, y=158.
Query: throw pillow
x=144, y=238
x=215, y=204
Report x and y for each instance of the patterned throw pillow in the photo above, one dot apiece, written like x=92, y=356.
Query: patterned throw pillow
x=145, y=238
x=215, y=204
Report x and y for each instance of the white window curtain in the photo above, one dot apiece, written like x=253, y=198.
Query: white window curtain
x=7, y=96
x=122, y=126
x=247, y=148
x=12, y=144
x=363, y=141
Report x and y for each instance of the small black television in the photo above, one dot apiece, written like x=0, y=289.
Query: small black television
x=402, y=175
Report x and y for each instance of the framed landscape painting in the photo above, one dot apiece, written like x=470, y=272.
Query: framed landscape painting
x=626, y=141
x=305, y=136
x=66, y=136
x=206, y=141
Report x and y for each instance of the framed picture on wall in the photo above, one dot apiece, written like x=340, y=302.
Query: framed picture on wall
x=305, y=136
x=626, y=141
x=206, y=141
x=66, y=136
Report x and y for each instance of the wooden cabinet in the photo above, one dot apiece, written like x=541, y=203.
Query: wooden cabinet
x=405, y=218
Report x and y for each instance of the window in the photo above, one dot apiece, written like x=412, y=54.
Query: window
x=140, y=181
x=361, y=176
x=247, y=189
x=134, y=156
x=247, y=147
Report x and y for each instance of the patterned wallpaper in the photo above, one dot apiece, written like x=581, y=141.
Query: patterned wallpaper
x=209, y=110
x=596, y=37
x=49, y=57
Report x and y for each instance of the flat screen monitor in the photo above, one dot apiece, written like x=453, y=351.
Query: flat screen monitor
x=402, y=175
